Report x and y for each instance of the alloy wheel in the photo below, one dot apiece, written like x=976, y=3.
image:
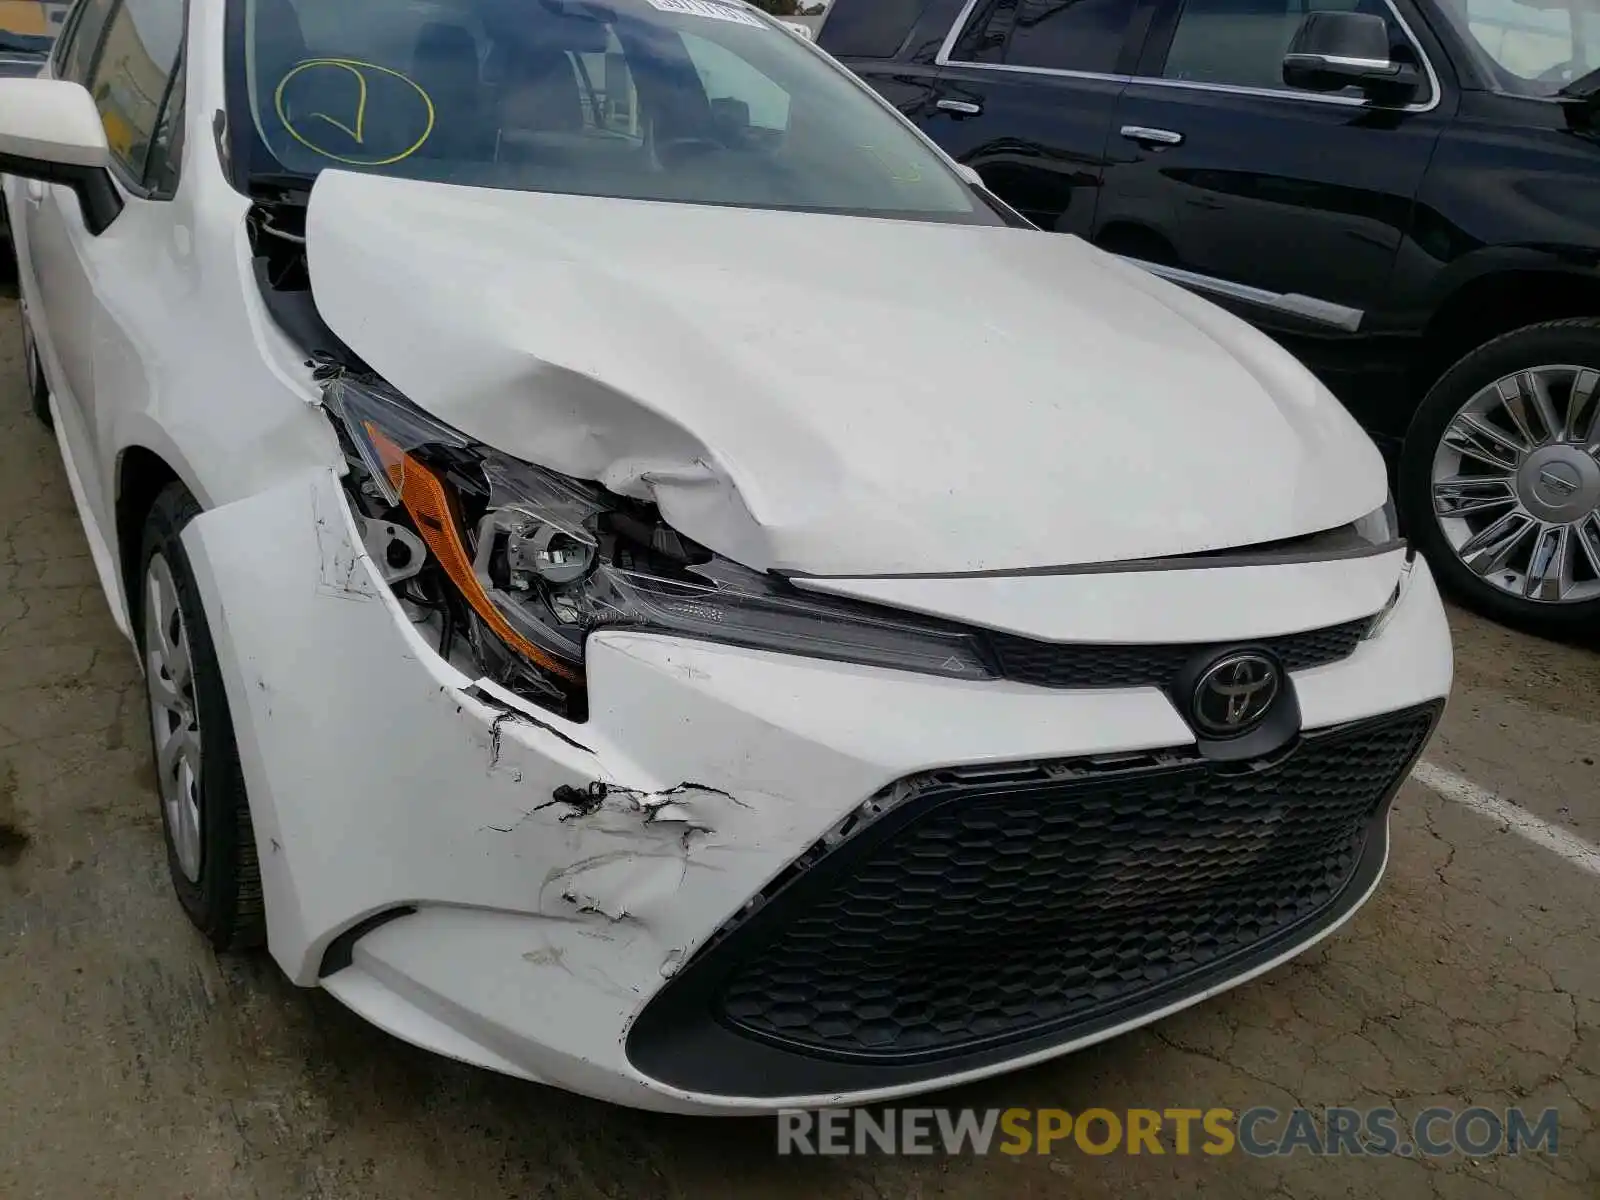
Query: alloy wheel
x=1516, y=484
x=174, y=714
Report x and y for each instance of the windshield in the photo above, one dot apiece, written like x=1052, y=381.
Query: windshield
x=1531, y=47
x=29, y=27
x=699, y=101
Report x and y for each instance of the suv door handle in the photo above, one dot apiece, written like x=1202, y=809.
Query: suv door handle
x=965, y=107
x=1152, y=137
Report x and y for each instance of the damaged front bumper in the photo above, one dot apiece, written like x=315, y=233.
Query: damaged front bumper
x=619, y=906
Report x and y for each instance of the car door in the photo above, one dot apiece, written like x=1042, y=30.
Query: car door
x=1287, y=206
x=127, y=55
x=891, y=45
x=60, y=318
x=1026, y=93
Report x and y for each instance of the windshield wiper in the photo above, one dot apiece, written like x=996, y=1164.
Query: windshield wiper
x=281, y=181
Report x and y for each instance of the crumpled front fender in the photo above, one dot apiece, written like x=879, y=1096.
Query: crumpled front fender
x=560, y=873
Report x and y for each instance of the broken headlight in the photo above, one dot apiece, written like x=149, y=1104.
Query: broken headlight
x=535, y=561
x=1380, y=527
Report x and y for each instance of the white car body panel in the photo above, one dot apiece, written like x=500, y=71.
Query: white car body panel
x=553, y=922
x=862, y=434
x=713, y=359
x=71, y=133
x=159, y=324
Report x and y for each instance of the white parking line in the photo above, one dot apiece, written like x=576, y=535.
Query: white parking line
x=1519, y=820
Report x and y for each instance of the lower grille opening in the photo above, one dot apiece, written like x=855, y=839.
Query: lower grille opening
x=973, y=912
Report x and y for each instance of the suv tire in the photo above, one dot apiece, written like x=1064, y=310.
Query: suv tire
x=1500, y=478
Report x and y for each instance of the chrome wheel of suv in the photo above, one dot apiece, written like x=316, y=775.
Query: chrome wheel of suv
x=1500, y=478
x=1516, y=484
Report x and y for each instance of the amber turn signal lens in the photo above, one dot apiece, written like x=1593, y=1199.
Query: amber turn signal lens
x=425, y=498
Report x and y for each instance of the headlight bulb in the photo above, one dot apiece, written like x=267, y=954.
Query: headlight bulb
x=551, y=554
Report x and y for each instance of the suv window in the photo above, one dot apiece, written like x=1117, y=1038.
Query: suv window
x=1060, y=35
x=77, y=51
x=869, y=28
x=1531, y=47
x=130, y=75
x=1242, y=42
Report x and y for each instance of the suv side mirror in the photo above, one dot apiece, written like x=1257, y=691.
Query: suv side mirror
x=50, y=130
x=1334, y=50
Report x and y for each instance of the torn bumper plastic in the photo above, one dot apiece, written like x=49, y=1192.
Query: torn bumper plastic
x=514, y=890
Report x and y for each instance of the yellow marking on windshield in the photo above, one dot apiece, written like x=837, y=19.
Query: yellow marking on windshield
x=901, y=173
x=361, y=106
x=356, y=130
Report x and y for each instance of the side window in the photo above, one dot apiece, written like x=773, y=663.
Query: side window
x=76, y=54
x=129, y=79
x=1061, y=35
x=730, y=81
x=1529, y=40
x=869, y=28
x=1534, y=49
x=1242, y=42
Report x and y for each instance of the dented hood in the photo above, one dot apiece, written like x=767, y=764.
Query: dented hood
x=838, y=395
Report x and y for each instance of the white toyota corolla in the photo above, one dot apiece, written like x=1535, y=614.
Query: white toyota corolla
x=651, y=580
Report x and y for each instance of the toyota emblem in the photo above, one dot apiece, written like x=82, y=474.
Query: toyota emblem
x=1234, y=694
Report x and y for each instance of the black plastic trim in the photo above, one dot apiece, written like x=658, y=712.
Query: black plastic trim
x=341, y=951
x=98, y=196
x=679, y=1042
x=1276, y=730
x=1276, y=554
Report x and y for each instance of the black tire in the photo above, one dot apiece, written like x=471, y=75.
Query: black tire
x=225, y=901
x=1574, y=342
x=38, y=389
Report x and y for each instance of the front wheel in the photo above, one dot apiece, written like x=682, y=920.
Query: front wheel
x=1500, y=478
x=211, y=849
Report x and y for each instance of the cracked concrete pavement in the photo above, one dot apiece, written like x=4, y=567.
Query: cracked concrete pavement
x=135, y=1063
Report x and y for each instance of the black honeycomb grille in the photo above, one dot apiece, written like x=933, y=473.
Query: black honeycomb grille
x=1058, y=665
x=988, y=908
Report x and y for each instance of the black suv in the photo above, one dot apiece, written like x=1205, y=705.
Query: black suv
x=1406, y=193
